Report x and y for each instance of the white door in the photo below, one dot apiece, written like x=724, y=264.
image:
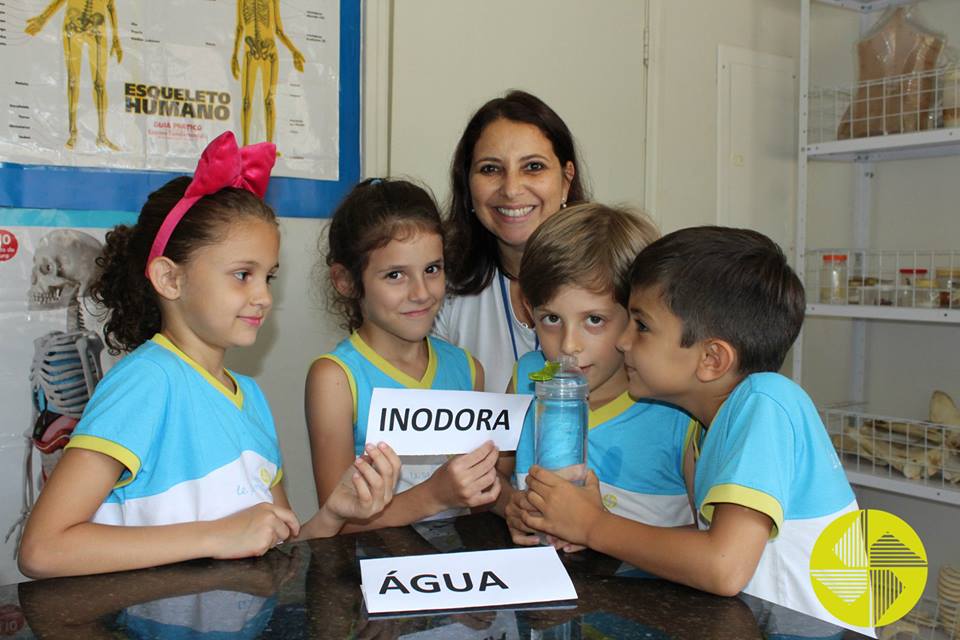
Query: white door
x=757, y=143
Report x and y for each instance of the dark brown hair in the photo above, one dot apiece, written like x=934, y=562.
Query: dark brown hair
x=731, y=284
x=590, y=246
x=133, y=311
x=473, y=248
x=375, y=212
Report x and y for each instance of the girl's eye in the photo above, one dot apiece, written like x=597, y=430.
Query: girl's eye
x=394, y=275
x=271, y=277
x=433, y=269
x=640, y=326
x=241, y=275
x=594, y=321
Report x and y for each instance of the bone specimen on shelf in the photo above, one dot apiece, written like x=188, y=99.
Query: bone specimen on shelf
x=914, y=462
x=848, y=443
x=951, y=467
x=914, y=431
x=944, y=411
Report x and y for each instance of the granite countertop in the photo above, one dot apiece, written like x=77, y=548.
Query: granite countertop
x=311, y=590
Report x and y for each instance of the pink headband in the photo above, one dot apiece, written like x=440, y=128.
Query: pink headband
x=221, y=165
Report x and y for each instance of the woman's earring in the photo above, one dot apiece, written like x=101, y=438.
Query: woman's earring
x=563, y=204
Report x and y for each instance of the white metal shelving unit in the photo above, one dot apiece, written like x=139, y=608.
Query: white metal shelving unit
x=864, y=152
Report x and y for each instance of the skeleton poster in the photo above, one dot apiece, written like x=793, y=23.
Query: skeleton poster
x=142, y=84
x=52, y=349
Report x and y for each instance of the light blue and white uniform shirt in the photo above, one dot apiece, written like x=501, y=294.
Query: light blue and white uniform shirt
x=768, y=450
x=448, y=367
x=191, y=448
x=635, y=448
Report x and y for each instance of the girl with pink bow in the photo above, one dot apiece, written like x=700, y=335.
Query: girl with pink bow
x=176, y=457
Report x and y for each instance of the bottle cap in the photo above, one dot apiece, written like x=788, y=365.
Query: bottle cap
x=549, y=370
x=560, y=380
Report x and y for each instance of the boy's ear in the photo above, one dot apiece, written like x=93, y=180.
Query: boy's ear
x=718, y=357
x=342, y=280
x=527, y=307
x=165, y=276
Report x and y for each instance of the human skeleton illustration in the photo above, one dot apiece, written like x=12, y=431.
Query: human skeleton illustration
x=66, y=365
x=84, y=26
x=258, y=24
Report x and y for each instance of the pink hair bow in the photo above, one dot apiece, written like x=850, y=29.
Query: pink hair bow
x=222, y=164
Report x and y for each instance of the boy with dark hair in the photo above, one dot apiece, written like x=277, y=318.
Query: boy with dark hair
x=713, y=312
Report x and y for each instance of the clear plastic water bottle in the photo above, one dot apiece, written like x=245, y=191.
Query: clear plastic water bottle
x=560, y=420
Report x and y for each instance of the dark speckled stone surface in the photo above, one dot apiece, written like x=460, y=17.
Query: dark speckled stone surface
x=311, y=590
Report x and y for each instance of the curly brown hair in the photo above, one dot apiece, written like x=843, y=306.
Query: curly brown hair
x=132, y=308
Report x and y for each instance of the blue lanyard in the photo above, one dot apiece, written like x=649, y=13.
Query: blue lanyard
x=509, y=317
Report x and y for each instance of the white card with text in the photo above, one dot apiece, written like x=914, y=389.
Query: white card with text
x=474, y=579
x=418, y=422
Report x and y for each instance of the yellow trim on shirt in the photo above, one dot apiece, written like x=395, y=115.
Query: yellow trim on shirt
x=473, y=369
x=610, y=410
x=236, y=397
x=694, y=432
x=350, y=379
x=277, y=478
x=745, y=497
x=516, y=373
x=112, y=450
x=388, y=369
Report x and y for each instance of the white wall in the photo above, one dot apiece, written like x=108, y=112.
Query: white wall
x=585, y=59
x=687, y=36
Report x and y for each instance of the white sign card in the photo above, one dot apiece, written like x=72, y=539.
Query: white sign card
x=419, y=422
x=474, y=579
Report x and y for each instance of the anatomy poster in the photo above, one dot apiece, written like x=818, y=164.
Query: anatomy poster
x=52, y=349
x=138, y=84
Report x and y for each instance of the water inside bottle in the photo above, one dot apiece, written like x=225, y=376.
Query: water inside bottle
x=562, y=445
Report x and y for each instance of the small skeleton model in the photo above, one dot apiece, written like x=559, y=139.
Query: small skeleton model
x=84, y=25
x=66, y=365
x=258, y=24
